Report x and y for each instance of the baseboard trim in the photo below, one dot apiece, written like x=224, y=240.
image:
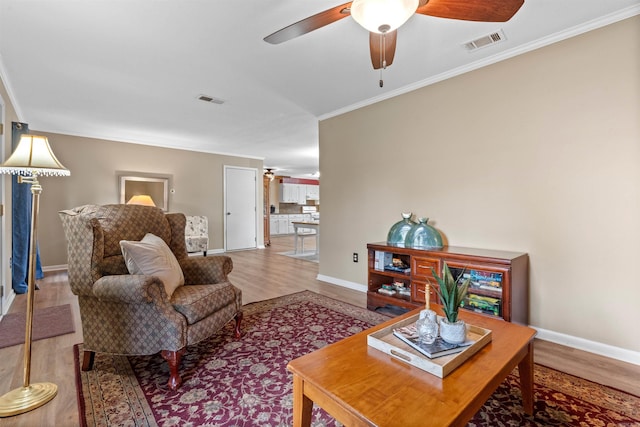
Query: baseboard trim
x=54, y=268
x=209, y=252
x=343, y=283
x=578, y=343
x=8, y=301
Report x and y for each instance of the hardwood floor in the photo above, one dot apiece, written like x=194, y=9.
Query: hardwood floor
x=261, y=274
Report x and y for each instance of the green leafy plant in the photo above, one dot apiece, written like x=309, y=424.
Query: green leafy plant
x=451, y=294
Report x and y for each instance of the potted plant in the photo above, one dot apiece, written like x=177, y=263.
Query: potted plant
x=451, y=295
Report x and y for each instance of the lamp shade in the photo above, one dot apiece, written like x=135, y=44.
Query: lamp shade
x=382, y=16
x=141, y=199
x=33, y=156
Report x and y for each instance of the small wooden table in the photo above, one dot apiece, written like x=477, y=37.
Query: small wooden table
x=361, y=386
x=303, y=225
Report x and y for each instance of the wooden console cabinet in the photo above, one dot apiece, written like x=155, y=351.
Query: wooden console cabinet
x=500, y=279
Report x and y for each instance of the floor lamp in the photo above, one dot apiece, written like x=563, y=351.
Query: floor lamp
x=32, y=158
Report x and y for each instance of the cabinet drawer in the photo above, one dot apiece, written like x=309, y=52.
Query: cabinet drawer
x=419, y=292
x=421, y=267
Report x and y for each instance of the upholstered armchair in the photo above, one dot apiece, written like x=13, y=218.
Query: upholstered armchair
x=135, y=314
x=196, y=234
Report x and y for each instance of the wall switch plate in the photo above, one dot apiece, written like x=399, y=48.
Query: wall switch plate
x=355, y=257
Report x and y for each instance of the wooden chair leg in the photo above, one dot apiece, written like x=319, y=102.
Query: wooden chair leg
x=87, y=360
x=238, y=331
x=173, y=359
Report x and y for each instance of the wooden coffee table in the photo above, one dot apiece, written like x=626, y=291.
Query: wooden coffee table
x=361, y=386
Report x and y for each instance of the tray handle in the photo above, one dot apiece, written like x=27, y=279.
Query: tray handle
x=400, y=355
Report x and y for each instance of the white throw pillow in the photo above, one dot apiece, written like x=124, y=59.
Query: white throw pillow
x=152, y=257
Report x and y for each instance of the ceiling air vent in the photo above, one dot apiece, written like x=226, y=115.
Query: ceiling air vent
x=492, y=38
x=211, y=99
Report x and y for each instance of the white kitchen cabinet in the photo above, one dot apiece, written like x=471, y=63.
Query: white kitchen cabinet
x=302, y=194
x=293, y=193
x=273, y=225
x=283, y=224
x=313, y=192
x=288, y=193
x=279, y=224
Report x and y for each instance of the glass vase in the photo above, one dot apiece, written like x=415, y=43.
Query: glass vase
x=423, y=236
x=427, y=326
x=398, y=231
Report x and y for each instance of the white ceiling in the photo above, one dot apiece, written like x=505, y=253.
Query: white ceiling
x=131, y=70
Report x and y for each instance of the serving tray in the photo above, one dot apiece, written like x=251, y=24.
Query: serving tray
x=385, y=341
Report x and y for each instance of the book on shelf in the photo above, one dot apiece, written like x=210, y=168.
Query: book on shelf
x=483, y=279
x=439, y=348
x=404, y=291
x=486, y=276
x=397, y=269
x=483, y=304
x=490, y=288
x=381, y=259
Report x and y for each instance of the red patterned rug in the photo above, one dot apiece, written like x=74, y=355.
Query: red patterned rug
x=229, y=382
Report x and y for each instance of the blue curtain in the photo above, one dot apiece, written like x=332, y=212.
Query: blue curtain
x=21, y=220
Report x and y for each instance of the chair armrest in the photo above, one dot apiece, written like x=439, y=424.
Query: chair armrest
x=129, y=288
x=204, y=270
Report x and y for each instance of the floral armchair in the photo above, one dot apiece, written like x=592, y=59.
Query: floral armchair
x=132, y=314
x=197, y=234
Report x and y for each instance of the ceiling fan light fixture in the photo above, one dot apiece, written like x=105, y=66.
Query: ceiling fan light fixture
x=268, y=173
x=382, y=16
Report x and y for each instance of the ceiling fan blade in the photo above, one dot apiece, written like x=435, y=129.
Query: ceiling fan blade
x=377, y=44
x=309, y=24
x=471, y=10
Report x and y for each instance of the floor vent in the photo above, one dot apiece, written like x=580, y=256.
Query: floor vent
x=211, y=99
x=490, y=39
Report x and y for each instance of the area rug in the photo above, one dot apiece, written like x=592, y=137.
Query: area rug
x=306, y=255
x=47, y=322
x=229, y=382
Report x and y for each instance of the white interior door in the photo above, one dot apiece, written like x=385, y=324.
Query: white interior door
x=241, y=202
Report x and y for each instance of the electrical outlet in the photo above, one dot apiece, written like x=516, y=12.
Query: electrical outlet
x=355, y=257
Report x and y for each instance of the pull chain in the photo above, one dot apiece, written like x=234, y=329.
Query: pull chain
x=383, y=56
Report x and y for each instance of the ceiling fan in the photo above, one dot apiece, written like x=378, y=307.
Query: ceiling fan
x=383, y=17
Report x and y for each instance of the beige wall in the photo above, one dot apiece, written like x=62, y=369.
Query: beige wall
x=95, y=165
x=540, y=154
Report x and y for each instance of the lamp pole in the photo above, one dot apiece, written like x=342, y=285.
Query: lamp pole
x=29, y=396
x=31, y=158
